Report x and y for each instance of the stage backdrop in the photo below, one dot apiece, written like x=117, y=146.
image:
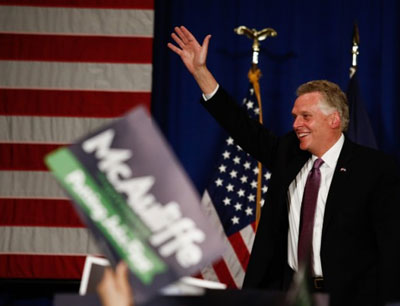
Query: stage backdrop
x=313, y=42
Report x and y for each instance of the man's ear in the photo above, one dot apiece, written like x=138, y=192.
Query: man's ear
x=334, y=120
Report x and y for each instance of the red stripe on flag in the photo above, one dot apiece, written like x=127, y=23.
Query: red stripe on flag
x=38, y=212
x=122, y=4
x=41, y=266
x=65, y=48
x=24, y=156
x=223, y=274
x=240, y=248
x=100, y=104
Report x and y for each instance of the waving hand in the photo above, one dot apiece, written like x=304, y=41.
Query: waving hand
x=194, y=57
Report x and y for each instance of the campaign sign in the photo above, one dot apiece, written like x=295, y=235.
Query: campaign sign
x=136, y=197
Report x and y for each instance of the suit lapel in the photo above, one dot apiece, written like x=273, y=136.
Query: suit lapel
x=338, y=185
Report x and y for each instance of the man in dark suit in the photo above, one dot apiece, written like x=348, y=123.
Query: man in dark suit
x=331, y=204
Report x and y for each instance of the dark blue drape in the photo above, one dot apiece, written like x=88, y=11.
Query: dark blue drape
x=313, y=42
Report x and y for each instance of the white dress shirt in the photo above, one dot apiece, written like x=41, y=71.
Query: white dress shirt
x=207, y=97
x=295, y=194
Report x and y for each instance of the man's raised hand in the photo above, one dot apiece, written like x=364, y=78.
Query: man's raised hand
x=191, y=52
x=194, y=57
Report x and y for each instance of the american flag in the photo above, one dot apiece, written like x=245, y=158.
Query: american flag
x=230, y=200
x=66, y=67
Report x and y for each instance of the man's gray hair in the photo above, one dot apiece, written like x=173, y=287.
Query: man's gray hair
x=333, y=98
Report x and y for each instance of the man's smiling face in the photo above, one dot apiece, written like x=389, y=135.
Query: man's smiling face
x=314, y=128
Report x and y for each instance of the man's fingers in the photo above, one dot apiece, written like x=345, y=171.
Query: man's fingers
x=206, y=41
x=174, y=48
x=122, y=279
x=121, y=273
x=181, y=34
x=183, y=38
x=189, y=36
x=177, y=40
x=106, y=280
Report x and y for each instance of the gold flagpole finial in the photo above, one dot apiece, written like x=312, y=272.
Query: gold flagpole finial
x=256, y=36
x=354, y=49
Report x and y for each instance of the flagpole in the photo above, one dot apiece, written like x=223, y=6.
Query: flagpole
x=254, y=75
x=354, y=50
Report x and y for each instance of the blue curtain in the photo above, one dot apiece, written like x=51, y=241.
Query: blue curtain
x=313, y=42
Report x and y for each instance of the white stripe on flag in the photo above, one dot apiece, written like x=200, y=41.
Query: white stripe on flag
x=208, y=273
x=47, y=129
x=75, y=76
x=29, y=184
x=248, y=235
x=54, y=20
x=210, y=211
x=234, y=266
x=46, y=240
x=230, y=257
x=232, y=260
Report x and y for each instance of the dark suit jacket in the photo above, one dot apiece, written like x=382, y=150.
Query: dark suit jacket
x=360, y=248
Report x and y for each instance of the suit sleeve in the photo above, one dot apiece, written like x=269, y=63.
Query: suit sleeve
x=252, y=136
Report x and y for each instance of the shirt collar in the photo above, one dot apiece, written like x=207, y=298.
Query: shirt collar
x=331, y=156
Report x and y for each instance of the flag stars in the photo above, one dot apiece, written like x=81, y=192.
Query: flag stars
x=262, y=202
x=249, y=105
x=238, y=206
x=264, y=189
x=267, y=175
x=219, y=182
x=239, y=148
x=222, y=168
x=255, y=170
x=248, y=211
x=236, y=160
x=257, y=111
x=251, y=198
x=253, y=184
x=229, y=188
x=227, y=201
x=240, y=193
x=229, y=141
x=235, y=220
x=243, y=179
x=246, y=165
x=233, y=174
x=226, y=154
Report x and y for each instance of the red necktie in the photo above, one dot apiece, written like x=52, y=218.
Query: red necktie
x=308, y=205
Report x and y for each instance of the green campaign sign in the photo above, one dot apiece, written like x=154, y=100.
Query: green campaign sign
x=97, y=204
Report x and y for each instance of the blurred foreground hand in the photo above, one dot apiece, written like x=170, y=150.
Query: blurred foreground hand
x=114, y=288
